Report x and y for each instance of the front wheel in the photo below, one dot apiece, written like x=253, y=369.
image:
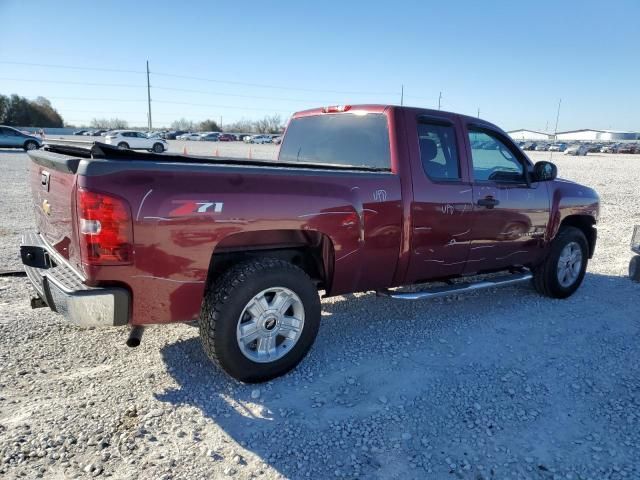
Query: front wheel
x=562, y=272
x=158, y=148
x=30, y=145
x=259, y=319
x=123, y=145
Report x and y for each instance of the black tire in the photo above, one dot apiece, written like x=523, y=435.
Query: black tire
x=30, y=145
x=227, y=298
x=158, y=147
x=545, y=276
x=123, y=145
x=634, y=269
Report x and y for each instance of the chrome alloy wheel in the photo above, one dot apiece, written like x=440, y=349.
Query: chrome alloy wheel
x=270, y=325
x=569, y=264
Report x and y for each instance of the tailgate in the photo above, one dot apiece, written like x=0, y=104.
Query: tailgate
x=52, y=178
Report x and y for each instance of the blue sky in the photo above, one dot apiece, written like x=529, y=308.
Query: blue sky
x=512, y=60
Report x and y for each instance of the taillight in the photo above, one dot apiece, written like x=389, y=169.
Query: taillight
x=105, y=228
x=336, y=108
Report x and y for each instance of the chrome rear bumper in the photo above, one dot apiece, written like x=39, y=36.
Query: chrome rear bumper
x=63, y=290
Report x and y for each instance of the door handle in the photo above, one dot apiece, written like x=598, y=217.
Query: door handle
x=488, y=202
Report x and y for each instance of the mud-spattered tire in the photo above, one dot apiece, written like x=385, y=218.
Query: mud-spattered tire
x=225, y=304
x=547, y=278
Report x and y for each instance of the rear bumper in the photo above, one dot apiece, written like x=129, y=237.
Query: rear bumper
x=63, y=290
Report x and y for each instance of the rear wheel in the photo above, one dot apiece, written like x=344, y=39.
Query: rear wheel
x=123, y=145
x=158, y=147
x=562, y=272
x=30, y=145
x=259, y=319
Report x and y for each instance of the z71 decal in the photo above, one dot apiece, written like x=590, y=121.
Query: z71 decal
x=189, y=207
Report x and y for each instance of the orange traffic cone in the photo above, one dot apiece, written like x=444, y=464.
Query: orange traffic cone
x=184, y=151
x=216, y=154
x=249, y=152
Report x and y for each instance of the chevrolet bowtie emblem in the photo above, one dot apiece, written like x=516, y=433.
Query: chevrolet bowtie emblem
x=46, y=207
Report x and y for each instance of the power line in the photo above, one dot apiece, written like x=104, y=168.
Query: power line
x=202, y=79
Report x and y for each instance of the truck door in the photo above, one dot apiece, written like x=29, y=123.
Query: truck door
x=509, y=215
x=442, y=196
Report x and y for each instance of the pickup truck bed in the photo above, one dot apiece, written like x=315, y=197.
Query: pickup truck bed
x=361, y=198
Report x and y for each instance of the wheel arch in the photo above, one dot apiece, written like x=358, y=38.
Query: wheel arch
x=586, y=224
x=311, y=250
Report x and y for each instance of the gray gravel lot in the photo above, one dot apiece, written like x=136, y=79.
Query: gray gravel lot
x=501, y=385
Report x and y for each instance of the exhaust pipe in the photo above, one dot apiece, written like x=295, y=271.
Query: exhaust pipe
x=135, y=336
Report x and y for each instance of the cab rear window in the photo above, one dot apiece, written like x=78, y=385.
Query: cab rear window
x=343, y=139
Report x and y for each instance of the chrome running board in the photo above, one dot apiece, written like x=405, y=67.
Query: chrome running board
x=460, y=288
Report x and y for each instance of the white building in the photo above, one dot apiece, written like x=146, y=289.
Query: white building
x=524, y=134
x=587, y=134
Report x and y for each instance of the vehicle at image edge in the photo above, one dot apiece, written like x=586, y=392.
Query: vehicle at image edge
x=13, y=138
x=226, y=137
x=361, y=198
x=277, y=140
x=627, y=148
x=578, y=149
x=132, y=140
x=209, y=137
x=558, y=147
x=634, y=264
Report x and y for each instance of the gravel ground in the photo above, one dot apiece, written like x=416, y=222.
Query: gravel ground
x=501, y=385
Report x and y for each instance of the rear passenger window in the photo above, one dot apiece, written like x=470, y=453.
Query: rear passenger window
x=346, y=139
x=438, y=151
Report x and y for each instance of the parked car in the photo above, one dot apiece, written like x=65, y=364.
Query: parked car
x=594, y=147
x=579, y=149
x=12, y=138
x=209, y=137
x=181, y=241
x=174, y=134
x=190, y=136
x=558, y=147
x=260, y=139
x=541, y=147
x=226, y=137
x=277, y=140
x=529, y=146
x=99, y=133
x=627, y=148
x=129, y=139
x=80, y=132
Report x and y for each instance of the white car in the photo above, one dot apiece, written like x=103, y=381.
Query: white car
x=136, y=141
x=190, y=136
x=260, y=139
x=577, y=150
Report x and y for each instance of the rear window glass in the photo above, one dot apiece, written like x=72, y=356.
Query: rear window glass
x=342, y=139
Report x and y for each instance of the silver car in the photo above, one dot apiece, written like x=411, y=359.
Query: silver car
x=12, y=138
x=581, y=150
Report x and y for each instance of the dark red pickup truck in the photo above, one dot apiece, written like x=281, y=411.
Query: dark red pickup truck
x=361, y=198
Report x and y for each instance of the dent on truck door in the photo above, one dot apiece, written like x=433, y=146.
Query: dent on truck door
x=441, y=206
x=510, y=216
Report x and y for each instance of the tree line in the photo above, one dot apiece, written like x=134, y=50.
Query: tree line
x=17, y=111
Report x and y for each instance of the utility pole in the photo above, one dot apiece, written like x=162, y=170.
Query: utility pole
x=402, y=95
x=220, y=123
x=439, y=100
x=555, y=133
x=149, y=98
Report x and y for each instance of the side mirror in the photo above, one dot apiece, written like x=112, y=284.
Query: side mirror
x=544, y=172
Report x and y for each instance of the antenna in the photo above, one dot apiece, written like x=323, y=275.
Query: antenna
x=439, y=100
x=149, y=97
x=402, y=95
